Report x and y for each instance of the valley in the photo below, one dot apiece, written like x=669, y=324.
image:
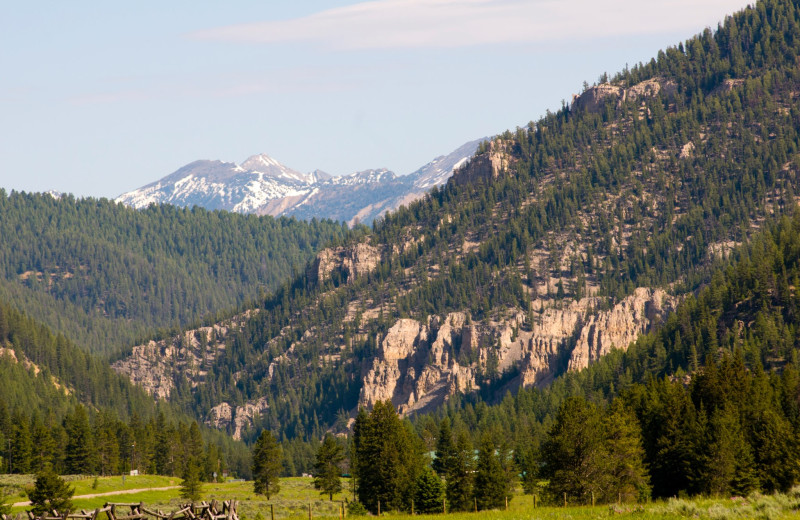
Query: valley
x=601, y=304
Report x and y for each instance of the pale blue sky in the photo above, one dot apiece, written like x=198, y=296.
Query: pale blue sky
x=97, y=98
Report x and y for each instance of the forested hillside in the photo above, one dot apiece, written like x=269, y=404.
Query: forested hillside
x=599, y=217
x=63, y=406
x=712, y=396
x=106, y=275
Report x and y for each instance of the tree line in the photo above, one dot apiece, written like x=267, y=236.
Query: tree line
x=104, y=445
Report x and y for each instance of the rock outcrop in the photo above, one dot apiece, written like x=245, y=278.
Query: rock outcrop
x=620, y=326
x=416, y=365
x=595, y=98
x=484, y=167
x=420, y=365
x=727, y=85
x=155, y=365
x=652, y=87
x=234, y=420
x=350, y=262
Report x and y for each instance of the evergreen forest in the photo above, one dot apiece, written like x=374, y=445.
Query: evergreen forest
x=681, y=173
x=108, y=276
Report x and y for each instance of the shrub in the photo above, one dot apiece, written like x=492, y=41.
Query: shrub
x=356, y=508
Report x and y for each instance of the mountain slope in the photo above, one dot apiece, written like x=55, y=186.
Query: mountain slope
x=714, y=390
x=105, y=275
x=553, y=245
x=48, y=382
x=263, y=186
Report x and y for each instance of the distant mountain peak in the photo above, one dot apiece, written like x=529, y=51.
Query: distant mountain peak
x=262, y=185
x=263, y=163
x=260, y=160
x=319, y=176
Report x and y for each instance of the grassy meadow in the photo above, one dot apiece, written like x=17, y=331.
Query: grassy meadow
x=297, y=494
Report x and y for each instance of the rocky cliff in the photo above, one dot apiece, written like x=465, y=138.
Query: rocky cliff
x=346, y=262
x=420, y=365
x=594, y=98
x=157, y=365
x=236, y=418
x=484, y=167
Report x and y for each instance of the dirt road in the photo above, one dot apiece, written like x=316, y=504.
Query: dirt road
x=107, y=494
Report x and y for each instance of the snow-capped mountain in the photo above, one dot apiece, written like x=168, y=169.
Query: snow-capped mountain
x=264, y=186
x=217, y=185
x=436, y=172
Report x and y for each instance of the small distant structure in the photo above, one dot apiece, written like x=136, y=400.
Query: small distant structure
x=134, y=472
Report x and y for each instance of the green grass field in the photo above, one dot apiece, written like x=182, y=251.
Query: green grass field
x=297, y=494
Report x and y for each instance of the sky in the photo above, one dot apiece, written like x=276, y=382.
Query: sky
x=99, y=98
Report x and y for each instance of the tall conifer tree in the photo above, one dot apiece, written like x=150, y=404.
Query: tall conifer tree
x=266, y=465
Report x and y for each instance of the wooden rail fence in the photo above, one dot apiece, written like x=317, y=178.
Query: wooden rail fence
x=215, y=510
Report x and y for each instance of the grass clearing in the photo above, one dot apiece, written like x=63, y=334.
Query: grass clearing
x=297, y=493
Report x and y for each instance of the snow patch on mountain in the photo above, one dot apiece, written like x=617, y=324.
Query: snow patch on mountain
x=436, y=172
x=263, y=185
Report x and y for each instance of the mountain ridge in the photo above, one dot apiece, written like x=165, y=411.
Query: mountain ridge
x=264, y=186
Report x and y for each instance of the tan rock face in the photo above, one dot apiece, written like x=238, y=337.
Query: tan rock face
x=619, y=327
x=153, y=366
x=402, y=338
x=415, y=366
x=652, y=87
x=420, y=365
x=351, y=262
x=594, y=98
x=225, y=417
x=485, y=166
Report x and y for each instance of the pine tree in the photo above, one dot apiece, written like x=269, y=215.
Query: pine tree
x=266, y=465
x=162, y=455
x=44, y=446
x=360, y=427
x=194, y=443
x=570, y=453
x=444, y=448
x=79, y=450
x=526, y=459
x=430, y=491
x=19, y=456
x=212, y=462
x=389, y=456
x=327, y=469
x=106, y=445
x=459, y=476
x=490, y=479
x=50, y=493
x=622, y=457
x=191, y=486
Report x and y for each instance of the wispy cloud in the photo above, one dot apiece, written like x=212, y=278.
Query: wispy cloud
x=385, y=24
